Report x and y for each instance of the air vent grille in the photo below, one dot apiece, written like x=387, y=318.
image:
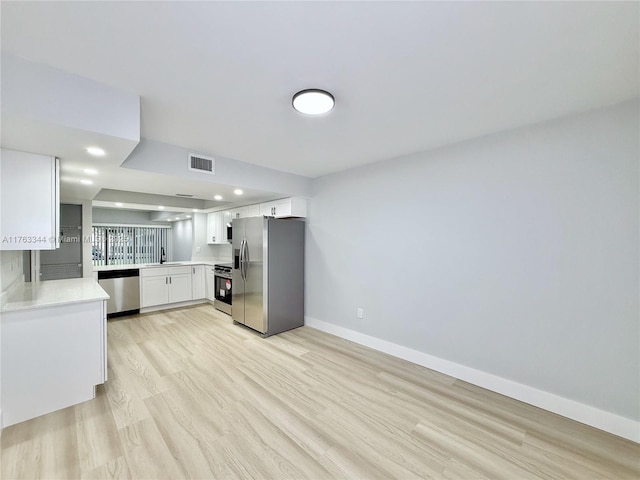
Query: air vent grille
x=202, y=164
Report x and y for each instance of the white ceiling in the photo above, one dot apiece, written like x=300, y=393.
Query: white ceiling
x=407, y=76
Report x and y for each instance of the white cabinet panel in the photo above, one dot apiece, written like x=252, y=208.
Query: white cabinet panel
x=251, y=211
x=198, y=287
x=154, y=290
x=211, y=284
x=216, y=227
x=154, y=272
x=29, y=201
x=286, y=207
x=247, y=211
x=52, y=358
x=180, y=288
x=166, y=285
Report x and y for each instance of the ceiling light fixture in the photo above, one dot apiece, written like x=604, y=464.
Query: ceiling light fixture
x=177, y=218
x=313, y=101
x=118, y=204
x=86, y=181
x=218, y=197
x=237, y=191
x=90, y=171
x=160, y=207
x=195, y=210
x=188, y=216
x=95, y=151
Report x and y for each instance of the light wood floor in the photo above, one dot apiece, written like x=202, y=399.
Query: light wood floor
x=190, y=395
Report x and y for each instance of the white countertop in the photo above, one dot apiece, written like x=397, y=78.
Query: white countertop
x=154, y=265
x=53, y=292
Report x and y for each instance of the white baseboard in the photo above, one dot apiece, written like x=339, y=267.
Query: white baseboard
x=601, y=419
x=169, y=306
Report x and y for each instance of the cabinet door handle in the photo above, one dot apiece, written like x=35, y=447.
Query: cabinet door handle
x=193, y=270
x=166, y=280
x=169, y=280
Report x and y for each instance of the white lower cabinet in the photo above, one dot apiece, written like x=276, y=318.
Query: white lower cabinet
x=198, y=287
x=52, y=358
x=154, y=291
x=163, y=285
x=211, y=283
x=179, y=287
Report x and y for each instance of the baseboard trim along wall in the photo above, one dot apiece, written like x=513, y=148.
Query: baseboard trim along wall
x=603, y=420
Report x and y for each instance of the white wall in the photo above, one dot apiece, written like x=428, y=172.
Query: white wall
x=158, y=157
x=182, y=233
x=122, y=217
x=515, y=254
x=36, y=91
x=10, y=268
x=87, y=257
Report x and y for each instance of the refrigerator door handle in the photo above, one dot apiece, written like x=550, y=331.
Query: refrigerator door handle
x=242, y=259
x=246, y=259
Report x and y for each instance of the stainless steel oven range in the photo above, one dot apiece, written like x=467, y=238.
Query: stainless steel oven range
x=223, y=287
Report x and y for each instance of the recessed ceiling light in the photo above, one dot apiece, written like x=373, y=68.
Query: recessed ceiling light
x=313, y=101
x=118, y=204
x=95, y=151
x=237, y=191
x=168, y=219
x=188, y=216
x=218, y=197
x=160, y=207
x=195, y=209
x=90, y=171
x=177, y=218
x=86, y=181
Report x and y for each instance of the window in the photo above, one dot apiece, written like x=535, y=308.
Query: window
x=126, y=245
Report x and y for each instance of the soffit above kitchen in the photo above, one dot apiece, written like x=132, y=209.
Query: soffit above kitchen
x=94, y=130
x=219, y=77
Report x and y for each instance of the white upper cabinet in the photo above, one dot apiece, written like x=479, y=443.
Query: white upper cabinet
x=215, y=231
x=286, y=207
x=30, y=201
x=245, y=212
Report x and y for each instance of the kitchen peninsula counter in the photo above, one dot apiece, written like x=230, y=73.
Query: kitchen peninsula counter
x=52, y=292
x=54, y=346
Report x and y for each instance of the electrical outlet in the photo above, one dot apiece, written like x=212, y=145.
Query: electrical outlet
x=360, y=312
x=197, y=249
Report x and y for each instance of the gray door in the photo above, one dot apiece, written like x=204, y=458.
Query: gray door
x=254, y=283
x=237, y=297
x=66, y=261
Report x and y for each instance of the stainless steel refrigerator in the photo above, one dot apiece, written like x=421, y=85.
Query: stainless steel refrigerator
x=268, y=274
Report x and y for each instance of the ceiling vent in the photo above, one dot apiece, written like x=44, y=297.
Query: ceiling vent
x=202, y=164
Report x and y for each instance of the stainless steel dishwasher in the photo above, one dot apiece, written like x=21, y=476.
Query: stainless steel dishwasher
x=123, y=287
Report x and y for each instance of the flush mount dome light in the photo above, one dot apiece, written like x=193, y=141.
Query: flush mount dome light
x=313, y=101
